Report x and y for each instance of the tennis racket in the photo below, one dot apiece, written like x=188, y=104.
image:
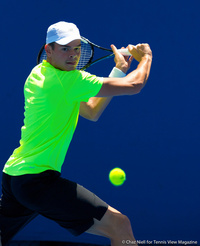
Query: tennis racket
x=87, y=54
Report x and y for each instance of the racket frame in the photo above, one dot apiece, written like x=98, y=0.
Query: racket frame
x=90, y=62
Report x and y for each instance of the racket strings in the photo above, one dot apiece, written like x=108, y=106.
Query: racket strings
x=86, y=55
x=43, y=56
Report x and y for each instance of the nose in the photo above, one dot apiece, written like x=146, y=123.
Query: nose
x=72, y=54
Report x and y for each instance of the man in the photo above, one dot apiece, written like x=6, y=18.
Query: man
x=55, y=94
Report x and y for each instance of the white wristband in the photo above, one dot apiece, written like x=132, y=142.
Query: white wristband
x=117, y=73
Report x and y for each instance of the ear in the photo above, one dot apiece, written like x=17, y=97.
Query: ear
x=48, y=50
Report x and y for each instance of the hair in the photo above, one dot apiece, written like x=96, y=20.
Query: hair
x=52, y=45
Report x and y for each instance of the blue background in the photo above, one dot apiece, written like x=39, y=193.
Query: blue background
x=153, y=136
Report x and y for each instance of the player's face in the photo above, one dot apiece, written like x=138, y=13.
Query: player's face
x=65, y=57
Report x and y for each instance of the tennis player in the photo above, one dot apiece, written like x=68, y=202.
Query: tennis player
x=55, y=94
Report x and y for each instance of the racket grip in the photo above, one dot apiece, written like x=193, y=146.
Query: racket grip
x=124, y=52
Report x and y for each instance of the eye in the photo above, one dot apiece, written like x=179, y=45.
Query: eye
x=77, y=49
x=65, y=49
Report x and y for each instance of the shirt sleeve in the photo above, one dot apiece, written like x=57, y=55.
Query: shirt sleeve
x=80, y=85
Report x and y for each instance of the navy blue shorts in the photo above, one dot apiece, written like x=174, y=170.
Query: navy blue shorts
x=67, y=203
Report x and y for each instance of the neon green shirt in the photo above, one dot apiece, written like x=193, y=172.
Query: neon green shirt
x=52, y=101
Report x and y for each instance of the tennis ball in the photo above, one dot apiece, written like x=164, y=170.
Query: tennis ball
x=117, y=176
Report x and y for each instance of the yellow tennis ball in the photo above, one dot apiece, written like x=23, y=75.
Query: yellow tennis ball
x=117, y=176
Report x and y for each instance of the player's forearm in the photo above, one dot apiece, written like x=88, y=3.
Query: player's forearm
x=141, y=74
x=93, y=109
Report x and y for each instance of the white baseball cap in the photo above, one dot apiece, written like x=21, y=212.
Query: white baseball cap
x=62, y=33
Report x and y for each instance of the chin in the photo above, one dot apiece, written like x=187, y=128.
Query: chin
x=70, y=68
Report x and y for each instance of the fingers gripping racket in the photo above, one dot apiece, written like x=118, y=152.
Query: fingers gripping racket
x=87, y=54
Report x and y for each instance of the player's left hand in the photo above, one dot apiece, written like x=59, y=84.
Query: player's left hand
x=122, y=62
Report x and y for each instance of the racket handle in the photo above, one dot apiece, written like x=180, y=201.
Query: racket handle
x=124, y=52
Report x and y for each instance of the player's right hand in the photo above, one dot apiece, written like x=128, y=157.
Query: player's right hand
x=139, y=51
x=122, y=62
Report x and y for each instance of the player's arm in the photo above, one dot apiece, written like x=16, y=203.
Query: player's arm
x=93, y=109
x=134, y=81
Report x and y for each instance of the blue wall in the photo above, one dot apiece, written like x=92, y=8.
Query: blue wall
x=153, y=136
